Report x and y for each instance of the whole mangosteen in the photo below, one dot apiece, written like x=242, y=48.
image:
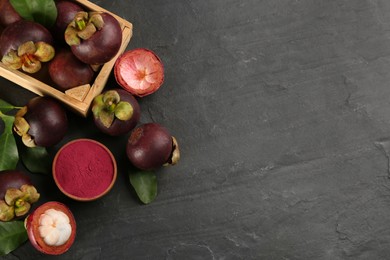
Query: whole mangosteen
x=94, y=37
x=42, y=122
x=16, y=194
x=25, y=45
x=151, y=146
x=68, y=72
x=115, y=112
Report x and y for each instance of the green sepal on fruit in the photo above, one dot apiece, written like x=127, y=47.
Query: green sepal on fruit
x=109, y=106
x=16, y=194
x=29, y=56
x=115, y=112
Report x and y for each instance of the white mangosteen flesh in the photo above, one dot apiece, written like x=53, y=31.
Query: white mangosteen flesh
x=54, y=227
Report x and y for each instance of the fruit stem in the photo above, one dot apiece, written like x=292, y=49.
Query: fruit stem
x=111, y=106
x=80, y=23
x=29, y=60
x=19, y=203
x=111, y=99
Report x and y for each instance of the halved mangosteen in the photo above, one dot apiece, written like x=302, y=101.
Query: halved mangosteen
x=51, y=228
x=139, y=71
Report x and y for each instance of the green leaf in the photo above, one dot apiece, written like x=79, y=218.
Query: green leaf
x=12, y=235
x=9, y=156
x=40, y=11
x=8, y=152
x=5, y=107
x=145, y=185
x=8, y=121
x=36, y=159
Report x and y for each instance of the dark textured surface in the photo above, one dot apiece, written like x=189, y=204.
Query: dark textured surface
x=282, y=110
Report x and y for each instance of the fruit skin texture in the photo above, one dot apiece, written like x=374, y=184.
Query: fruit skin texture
x=66, y=10
x=67, y=71
x=103, y=45
x=149, y=146
x=139, y=71
x=47, y=121
x=8, y=14
x=23, y=31
x=32, y=224
x=120, y=127
x=12, y=179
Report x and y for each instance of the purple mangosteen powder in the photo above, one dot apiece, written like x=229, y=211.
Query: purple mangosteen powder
x=84, y=168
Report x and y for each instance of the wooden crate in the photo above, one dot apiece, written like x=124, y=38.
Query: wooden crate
x=78, y=99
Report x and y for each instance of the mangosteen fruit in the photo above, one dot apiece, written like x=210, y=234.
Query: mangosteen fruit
x=51, y=228
x=67, y=71
x=8, y=15
x=42, y=122
x=16, y=194
x=25, y=45
x=94, y=37
x=115, y=112
x=139, y=71
x=151, y=146
x=66, y=11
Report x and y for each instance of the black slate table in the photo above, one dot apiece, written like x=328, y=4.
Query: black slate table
x=282, y=111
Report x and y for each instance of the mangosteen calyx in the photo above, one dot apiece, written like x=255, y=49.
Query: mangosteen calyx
x=17, y=202
x=7, y=212
x=21, y=127
x=29, y=56
x=109, y=106
x=82, y=27
x=175, y=155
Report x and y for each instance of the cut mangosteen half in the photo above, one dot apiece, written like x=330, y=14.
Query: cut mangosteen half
x=139, y=71
x=51, y=228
